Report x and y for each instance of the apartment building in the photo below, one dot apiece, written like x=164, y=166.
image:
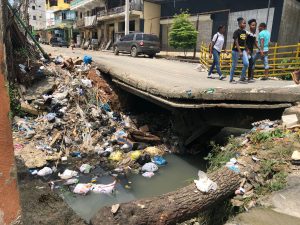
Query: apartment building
x=104, y=21
x=59, y=20
x=37, y=14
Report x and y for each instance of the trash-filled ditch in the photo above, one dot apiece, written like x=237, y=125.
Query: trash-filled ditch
x=77, y=138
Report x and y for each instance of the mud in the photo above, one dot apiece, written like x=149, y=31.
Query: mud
x=40, y=205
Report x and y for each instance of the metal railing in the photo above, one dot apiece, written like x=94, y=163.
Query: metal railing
x=283, y=60
x=119, y=9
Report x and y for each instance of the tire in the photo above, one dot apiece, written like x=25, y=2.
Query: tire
x=116, y=50
x=152, y=55
x=134, y=52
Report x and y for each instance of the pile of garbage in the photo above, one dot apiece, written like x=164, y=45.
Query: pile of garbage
x=73, y=114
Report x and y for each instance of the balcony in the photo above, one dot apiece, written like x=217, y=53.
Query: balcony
x=79, y=23
x=86, y=4
x=118, y=11
x=88, y=21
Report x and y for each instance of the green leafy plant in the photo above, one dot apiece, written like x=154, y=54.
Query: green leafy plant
x=218, y=157
x=183, y=34
x=15, y=106
x=259, y=136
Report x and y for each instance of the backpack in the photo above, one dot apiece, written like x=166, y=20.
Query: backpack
x=210, y=44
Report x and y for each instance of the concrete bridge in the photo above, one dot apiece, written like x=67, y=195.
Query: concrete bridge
x=179, y=85
x=199, y=105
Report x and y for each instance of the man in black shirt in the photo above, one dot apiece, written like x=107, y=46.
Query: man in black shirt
x=239, y=50
x=251, y=43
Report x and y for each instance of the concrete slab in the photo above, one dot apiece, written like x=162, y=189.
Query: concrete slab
x=287, y=201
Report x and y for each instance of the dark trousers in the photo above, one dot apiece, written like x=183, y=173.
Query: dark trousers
x=250, y=68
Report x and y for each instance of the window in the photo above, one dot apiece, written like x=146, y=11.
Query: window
x=139, y=37
x=67, y=1
x=63, y=15
x=53, y=2
x=128, y=37
x=34, y=17
x=33, y=7
x=150, y=37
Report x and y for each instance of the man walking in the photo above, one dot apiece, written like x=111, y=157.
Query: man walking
x=251, y=42
x=239, y=50
x=263, y=48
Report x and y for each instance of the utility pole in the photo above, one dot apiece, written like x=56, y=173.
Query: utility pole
x=197, y=29
x=269, y=3
x=126, y=17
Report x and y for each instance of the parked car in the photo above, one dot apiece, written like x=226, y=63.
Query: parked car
x=138, y=43
x=57, y=41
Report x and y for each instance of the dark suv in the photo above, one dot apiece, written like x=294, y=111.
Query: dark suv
x=57, y=41
x=138, y=43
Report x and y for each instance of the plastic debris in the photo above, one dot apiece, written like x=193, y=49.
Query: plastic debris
x=153, y=151
x=159, y=160
x=240, y=191
x=75, y=154
x=148, y=174
x=143, y=159
x=204, y=184
x=58, y=60
x=150, y=167
x=50, y=117
x=232, y=165
x=45, y=171
x=103, y=188
x=135, y=155
x=64, y=158
x=67, y=174
x=87, y=59
x=85, y=168
x=82, y=189
x=33, y=172
x=87, y=83
x=71, y=181
x=116, y=156
x=210, y=91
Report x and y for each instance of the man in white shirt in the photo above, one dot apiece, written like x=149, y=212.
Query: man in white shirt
x=215, y=49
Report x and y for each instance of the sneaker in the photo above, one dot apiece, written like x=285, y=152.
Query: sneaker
x=251, y=80
x=232, y=81
x=264, y=78
x=222, y=77
x=210, y=77
x=243, y=81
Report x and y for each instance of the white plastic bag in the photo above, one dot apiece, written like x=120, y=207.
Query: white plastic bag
x=103, y=188
x=67, y=174
x=85, y=168
x=148, y=174
x=204, y=184
x=45, y=171
x=82, y=189
x=71, y=181
x=87, y=83
x=150, y=167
